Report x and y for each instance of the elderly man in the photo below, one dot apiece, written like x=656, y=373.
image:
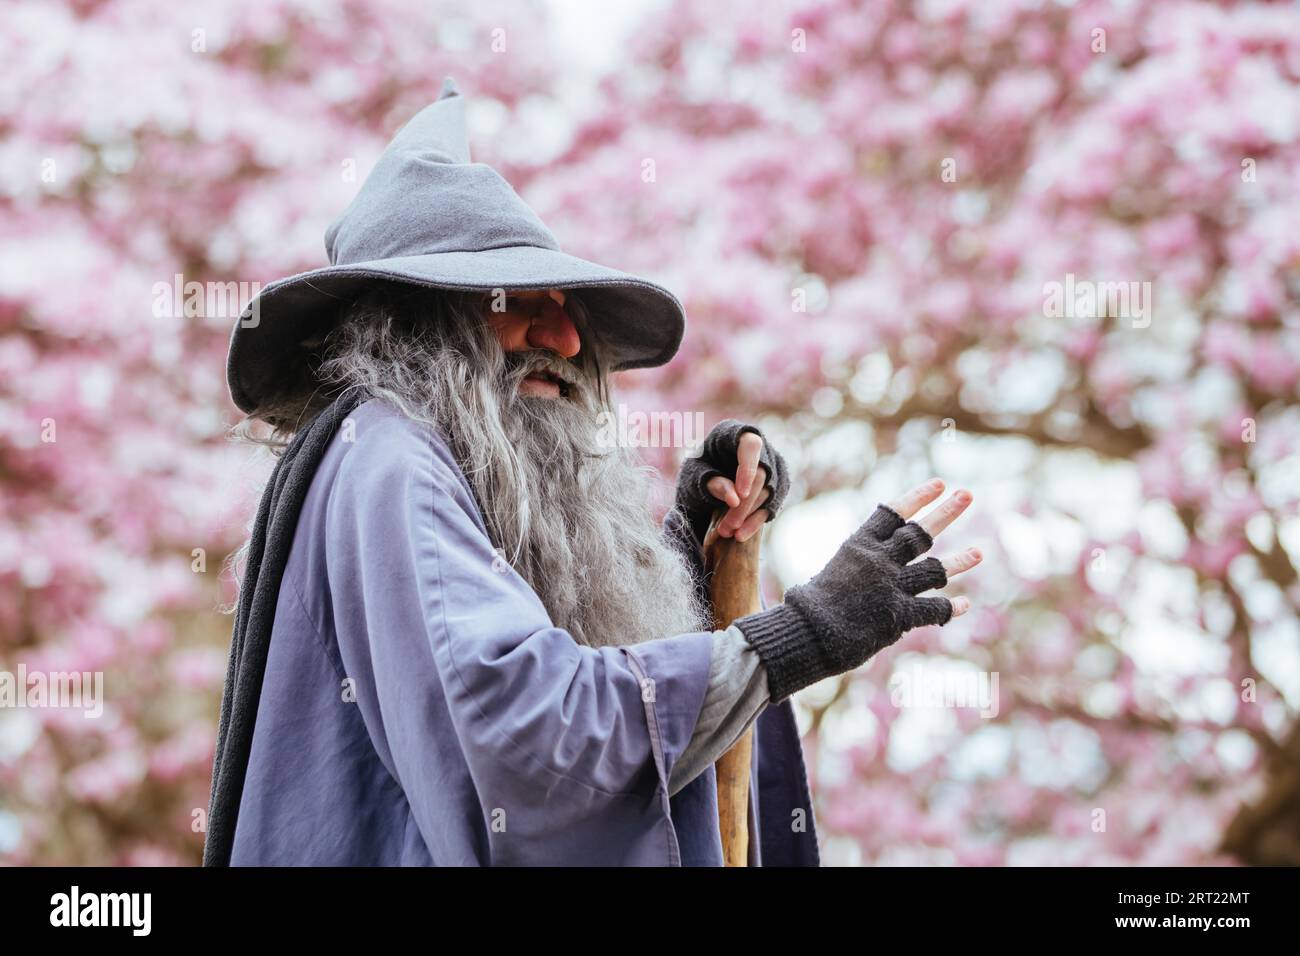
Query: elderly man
x=462, y=638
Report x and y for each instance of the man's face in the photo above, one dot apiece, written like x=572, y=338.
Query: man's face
x=536, y=319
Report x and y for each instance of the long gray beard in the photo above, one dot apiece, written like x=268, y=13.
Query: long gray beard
x=571, y=517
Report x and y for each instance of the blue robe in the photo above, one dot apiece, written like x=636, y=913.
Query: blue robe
x=419, y=707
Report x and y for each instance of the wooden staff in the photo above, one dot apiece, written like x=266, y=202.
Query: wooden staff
x=732, y=567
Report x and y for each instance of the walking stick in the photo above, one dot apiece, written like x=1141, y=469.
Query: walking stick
x=732, y=567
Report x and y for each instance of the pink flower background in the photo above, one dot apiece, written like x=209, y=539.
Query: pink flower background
x=860, y=204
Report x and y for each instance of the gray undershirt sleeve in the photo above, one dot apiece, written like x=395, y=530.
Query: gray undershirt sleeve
x=736, y=695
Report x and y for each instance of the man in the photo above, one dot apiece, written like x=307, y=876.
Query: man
x=462, y=639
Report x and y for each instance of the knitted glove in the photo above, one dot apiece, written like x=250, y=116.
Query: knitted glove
x=719, y=457
x=859, y=604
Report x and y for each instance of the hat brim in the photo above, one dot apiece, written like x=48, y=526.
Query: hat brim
x=641, y=324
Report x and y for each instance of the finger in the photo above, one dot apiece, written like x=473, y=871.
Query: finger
x=748, y=450
x=922, y=611
x=962, y=561
x=922, y=576
x=753, y=524
x=738, y=515
x=908, y=542
x=757, y=517
x=884, y=521
x=946, y=513
x=960, y=606
x=722, y=489
x=918, y=498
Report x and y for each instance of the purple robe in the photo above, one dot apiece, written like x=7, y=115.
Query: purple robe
x=419, y=706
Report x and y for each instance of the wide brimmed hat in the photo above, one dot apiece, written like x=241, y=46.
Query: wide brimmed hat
x=427, y=216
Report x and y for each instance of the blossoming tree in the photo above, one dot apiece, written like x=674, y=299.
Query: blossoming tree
x=1040, y=249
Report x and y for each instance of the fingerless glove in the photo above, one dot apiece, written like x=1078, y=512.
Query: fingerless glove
x=719, y=456
x=859, y=604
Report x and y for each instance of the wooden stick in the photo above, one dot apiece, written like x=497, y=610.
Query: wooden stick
x=732, y=567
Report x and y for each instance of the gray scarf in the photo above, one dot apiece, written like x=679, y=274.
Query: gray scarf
x=268, y=553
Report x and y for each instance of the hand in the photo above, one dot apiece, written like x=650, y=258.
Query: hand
x=736, y=469
x=866, y=598
x=744, y=496
x=871, y=588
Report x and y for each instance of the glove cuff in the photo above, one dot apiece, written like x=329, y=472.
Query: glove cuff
x=789, y=649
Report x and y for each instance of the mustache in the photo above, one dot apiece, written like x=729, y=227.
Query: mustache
x=520, y=365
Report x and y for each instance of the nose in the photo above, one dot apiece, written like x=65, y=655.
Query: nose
x=553, y=329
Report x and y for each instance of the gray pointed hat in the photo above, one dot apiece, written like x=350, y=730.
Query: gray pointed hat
x=428, y=216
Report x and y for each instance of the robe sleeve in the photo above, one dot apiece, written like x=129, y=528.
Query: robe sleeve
x=569, y=747
x=736, y=697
